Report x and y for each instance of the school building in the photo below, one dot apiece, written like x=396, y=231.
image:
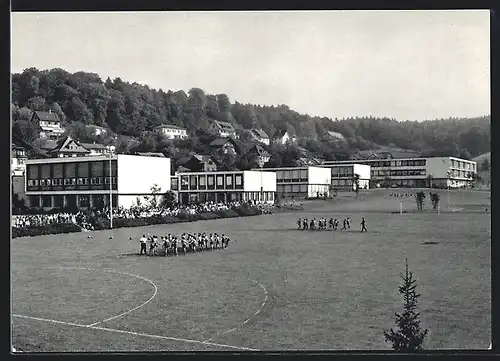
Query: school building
x=83, y=182
x=417, y=172
x=224, y=186
x=302, y=182
x=343, y=176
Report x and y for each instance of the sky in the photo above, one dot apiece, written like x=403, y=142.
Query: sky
x=408, y=65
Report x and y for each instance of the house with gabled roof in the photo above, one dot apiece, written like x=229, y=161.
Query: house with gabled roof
x=49, y=124
x=198, y=163
x=225, y=146
x=95, y=148
x=260, y=136
x=282, y=136
x=68, y=147
x=257, y=153
x=222, y=129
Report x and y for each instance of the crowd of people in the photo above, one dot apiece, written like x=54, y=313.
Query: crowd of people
x=85, y=219
x=187, y=242
x=322, y=224
x=29, y=220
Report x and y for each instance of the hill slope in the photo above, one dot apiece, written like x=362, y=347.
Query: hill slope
x=130, y=109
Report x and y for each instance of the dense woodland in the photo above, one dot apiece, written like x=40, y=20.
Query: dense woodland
x=130, y=109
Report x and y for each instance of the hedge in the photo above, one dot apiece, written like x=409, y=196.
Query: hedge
x=47, y=229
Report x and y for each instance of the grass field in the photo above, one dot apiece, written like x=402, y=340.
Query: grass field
x=274, y=288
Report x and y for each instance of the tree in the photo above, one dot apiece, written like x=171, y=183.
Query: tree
x=155, y=199
x=408, y=336
x=168, y=199
x=420, y=200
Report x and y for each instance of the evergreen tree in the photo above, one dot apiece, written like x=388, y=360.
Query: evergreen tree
x=408, y=336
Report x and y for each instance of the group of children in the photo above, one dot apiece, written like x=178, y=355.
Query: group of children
x=187, y=242
x=333, y=224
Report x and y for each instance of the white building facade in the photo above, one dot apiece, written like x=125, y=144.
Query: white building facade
x=18, y=161
x=302, y=182
x=417, y=172
x=172, y=131
x=225, y=186
x=343, y=176
x=84, y=182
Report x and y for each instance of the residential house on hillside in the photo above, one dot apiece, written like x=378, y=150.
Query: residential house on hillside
x=95, y=148
x=225, y=146
x=260, y=136
x=258, y=154
x=172, y=131
x=97, y=130
x=283, y=136
x=18, y=160
x=198, y=163
x=222, y=129
x=336, y=135
x=49, y=124
x=68, y=147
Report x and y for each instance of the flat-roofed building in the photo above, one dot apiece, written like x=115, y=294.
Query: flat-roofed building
x=417, y=172
x=84, y=182
x=225, y=186
x=343, y=176
x=307, y=182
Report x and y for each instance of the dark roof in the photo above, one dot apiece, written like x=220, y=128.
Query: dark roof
x=259, y=150
x=279, y=133
x=49, y=116
x=93, y=145
x=224, y=125
x=260, y=133
x=61, y=143
x=183, y=160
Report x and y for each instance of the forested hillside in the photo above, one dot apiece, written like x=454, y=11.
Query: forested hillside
x=130, y=109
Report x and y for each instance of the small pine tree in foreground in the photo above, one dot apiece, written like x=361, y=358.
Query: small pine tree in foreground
x=408, y=337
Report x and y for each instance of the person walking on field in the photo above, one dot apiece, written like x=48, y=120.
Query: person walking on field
x=363, y=225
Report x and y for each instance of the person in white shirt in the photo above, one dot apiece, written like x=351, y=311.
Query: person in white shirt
x=143, y=244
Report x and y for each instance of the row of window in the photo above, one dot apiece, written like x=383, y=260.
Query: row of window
x=342, y=182
x=398, y=173
x=291, y=174
x=292, y=180
x=210, y=181
x=462, y=165
x=70, y=181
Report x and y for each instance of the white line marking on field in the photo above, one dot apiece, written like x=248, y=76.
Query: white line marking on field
x=49, y=320
x=136, y=333
x=122, y=273
x=255, y=314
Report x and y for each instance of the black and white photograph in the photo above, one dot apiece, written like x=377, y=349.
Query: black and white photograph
x=250, y=181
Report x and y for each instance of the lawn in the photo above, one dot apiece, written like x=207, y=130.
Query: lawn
x=274, y=288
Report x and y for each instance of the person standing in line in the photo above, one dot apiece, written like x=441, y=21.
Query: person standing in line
x=344, y=225
x=348, y=221
x=143, y=244
x=363, y=225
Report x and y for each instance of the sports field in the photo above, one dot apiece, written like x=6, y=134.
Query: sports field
x=274, y=288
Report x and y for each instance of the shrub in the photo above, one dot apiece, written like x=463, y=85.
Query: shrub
x=46, y=229
x=227, y=213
